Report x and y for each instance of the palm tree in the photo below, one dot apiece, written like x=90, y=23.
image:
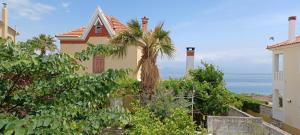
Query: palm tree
x=152, y=44
x=43, y=42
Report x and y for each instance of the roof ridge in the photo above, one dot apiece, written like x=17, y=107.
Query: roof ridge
x=285, y=43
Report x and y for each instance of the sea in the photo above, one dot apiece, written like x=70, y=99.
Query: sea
x=256, y=83
x=249, y=83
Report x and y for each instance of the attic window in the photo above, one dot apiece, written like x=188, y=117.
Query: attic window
x=98, y=27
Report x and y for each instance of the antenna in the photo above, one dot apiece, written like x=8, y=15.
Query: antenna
x=4, y=4
x=272, y=38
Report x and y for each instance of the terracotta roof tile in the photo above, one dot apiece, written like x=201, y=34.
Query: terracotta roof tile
x=76, y=32
x=115, y=24
x=285, y=43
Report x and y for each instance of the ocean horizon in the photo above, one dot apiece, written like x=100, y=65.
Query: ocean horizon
x=249, y=83
x=258, y=83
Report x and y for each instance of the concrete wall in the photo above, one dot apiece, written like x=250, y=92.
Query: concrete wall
x=231, y=125
x=270, y=129
x=265, y=110
x=232, y=111
x=239, y=122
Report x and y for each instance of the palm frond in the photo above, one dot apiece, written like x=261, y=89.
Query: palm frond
x=124, y=38
x=135, y=28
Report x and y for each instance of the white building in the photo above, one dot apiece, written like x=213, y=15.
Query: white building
x=286, y=79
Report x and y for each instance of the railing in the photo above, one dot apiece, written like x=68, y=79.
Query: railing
x=279, y=75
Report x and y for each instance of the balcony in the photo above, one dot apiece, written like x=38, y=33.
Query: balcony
x=278, y=76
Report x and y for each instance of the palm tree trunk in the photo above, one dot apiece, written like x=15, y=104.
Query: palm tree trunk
x=149, y=78
x=43, y=51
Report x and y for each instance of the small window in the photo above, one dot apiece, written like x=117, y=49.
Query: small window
x=98, y=27
x=280, y=62
x=280, y=102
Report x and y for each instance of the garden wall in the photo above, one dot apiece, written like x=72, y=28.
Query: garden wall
x=239, y=122
x=265, y=110
x=231, y=125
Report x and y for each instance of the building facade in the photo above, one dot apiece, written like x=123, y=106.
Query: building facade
x=99, y=31
x=286, y=78
x=7, y=32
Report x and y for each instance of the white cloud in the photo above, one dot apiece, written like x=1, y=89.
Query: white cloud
x=66, y=6
x=29, y=9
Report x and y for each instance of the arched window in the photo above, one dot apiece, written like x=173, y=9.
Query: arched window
x=98, y=27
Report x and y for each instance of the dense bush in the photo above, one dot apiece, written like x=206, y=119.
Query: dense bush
x=249, y=104
x=43, y=94
x=145, y=122
x=210, y=95
x=165, y=100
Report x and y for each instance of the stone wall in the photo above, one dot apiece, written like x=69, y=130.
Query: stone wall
x=270, y=129
x=265, y=110
x=239, y=122
x=232, y=125
x=232, y=111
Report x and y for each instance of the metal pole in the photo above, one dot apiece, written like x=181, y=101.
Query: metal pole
x=193, y=103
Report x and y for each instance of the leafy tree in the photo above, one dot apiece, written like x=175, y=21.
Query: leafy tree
x=43, y=94
x=208, y=73
x=43, y=43
x=210, y=95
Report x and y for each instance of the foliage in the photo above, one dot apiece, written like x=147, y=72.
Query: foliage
x=43, y=94
x=152, y=44
x=179, y=86
x=164, y=100
x=43, y=43
x=127, y=86
x=66, y=121
x=101, y=49
x=249, y=103
x=145, y=122
x=209, y=74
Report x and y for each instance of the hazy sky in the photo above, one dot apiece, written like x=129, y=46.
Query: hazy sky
x=232, y=34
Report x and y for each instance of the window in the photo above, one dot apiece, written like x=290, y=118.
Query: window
x=98, y=27
x=280, y=103
x=98, y=64
x=279, y=62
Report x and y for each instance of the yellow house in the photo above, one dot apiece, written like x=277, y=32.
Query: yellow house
x=98, y=31
x=286, y=79
x=7, y=32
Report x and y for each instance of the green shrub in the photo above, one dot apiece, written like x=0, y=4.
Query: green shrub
x=165, y=100
x=249, y=104
x=44, y=94
x=145, y=122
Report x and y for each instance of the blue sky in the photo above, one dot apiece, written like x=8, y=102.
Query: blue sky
x=231, y=34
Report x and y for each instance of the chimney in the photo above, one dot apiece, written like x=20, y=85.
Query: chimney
x=292, y=27
x=190, y=52
x=4, y=20
x=144, y=23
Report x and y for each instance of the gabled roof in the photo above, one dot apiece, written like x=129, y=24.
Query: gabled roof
x=112, y=25
x=286, y=43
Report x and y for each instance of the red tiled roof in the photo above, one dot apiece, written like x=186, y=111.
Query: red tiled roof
x=76, y=32
x=285, y=43
x=115, y=24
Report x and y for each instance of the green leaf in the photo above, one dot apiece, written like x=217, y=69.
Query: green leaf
x=20, y=131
